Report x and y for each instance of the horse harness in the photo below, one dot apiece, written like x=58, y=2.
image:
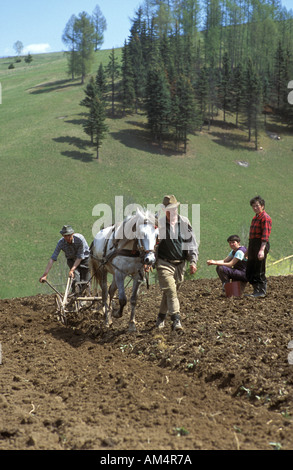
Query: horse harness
x=134, y=253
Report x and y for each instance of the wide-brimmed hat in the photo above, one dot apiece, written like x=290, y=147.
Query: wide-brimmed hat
x=67, y=230
x=170, y=202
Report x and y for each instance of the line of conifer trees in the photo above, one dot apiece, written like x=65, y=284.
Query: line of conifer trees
x=186, y=59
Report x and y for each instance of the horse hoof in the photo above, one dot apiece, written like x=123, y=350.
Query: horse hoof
x=132, y=327
x=117, y=314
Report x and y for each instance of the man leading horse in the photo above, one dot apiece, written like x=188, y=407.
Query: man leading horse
x=176, y=246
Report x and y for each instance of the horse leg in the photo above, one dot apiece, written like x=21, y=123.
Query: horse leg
x=119, y=279
x=133, y=301
x=112, y=290
x=107, y=312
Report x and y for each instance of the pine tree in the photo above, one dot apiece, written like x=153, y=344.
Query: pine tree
x=91, y=92
x=85, y=36
x=95, y=125
x=225, y=85
x=282, y=75
x=252, y=101
x=237, y=91
x=158, y=104
x=213, y=24
x=97, y=122
x=28, y=59
x=128, y=91
x=136, y=45
x=69, y=37
x=101, y=81
x=113, y=72
x=167, y=57
x=202, y=91
x=184, y=116
x=100, y=25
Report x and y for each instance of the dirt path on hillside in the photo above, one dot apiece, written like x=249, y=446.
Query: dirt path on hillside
x=224, y=383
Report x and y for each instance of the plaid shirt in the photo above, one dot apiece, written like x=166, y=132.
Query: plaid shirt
x=77, y=249
x=261, y=226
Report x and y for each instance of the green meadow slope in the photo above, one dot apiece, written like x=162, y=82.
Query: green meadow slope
x=50, y=177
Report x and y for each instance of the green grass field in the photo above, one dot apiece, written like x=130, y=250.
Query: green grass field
x=50, y=177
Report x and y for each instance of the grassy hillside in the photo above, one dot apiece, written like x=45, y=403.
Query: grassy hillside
x=50, y=177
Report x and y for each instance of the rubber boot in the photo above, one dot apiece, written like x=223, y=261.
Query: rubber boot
x=255, y=291
x=261, y=291
x=176, y=325
x=161, y=320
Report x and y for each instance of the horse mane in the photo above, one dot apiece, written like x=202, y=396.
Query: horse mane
x=140, y=217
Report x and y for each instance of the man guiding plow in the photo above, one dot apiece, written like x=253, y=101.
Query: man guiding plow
x=77, y=253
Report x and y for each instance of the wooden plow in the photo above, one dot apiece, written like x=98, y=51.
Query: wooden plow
x=73, y=301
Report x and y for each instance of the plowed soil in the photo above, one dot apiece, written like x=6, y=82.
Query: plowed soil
x=224, y=383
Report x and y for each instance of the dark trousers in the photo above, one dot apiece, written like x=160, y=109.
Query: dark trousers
x=225, y=274
x=82, y=272
x=256, y=269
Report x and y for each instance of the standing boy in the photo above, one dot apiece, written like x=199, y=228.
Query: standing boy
x=258, y=247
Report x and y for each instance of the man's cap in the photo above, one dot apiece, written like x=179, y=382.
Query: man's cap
x=170, y=202
x=67, y=230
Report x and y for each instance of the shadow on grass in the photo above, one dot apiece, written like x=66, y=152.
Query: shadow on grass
x=80, y=144
x=232, y=141
x=274, y=126
x=53, y=86
x=140, y=139
x=82, y=156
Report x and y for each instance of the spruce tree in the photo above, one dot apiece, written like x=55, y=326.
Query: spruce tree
x=252, y=101
x=225, y=86
x=237, y=92
x=158, y=104
x=113, y=72
x=128, y=91
x=101, y=80
x=184, y=116
x=90, y=91
x=97, y=122
x=137, y=57
x=202, y=92
x=95, y=125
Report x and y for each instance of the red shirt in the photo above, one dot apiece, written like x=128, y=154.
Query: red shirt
x=261, y=226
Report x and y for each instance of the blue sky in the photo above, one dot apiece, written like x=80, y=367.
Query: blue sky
x=39, y=24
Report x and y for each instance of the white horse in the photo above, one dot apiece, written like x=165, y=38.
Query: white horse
x=123, y=250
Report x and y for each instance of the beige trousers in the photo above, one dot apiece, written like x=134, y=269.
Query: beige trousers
x=170, y=277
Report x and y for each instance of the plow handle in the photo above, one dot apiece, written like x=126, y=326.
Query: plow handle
x=68, y=286
x=52, y=287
